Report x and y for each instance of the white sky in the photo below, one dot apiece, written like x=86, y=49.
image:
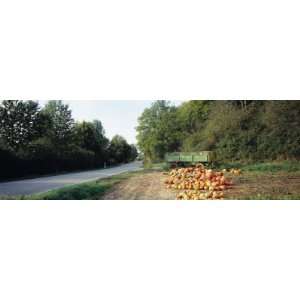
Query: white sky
x=118, y=116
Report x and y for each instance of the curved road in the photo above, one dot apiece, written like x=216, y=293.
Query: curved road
x=44, y=184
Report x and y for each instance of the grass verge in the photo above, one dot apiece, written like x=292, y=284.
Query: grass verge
x=260, y=167
x=265, y=167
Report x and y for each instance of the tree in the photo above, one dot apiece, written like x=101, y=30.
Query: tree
x=119, y=150
x=41, y=141
x=249, y=130
x=91, y=136
x=19, y=122
x=44, y=125
x=100, y=137
x=158, y=130
x=192, y=115
x=85, y=135
x=235, y=130
x=280, y=137
x=62, y=122
x=133, y=152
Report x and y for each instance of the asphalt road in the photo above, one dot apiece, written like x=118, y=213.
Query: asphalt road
x=44, y=184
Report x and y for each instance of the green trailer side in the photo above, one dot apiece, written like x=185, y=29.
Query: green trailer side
x=190, y=157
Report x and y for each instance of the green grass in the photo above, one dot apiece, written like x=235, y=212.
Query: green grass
x=286, y=166
x=260, y=167
x=162, y=166
x=84, y=191
x=264, y=167
x=17, y=197
x=89, y=190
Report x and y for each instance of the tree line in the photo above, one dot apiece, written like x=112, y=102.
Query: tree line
x=36, y=140
x=245, y=130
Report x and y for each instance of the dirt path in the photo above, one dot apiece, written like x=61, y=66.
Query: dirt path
x=146, y=186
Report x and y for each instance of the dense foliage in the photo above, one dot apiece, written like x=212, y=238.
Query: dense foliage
x=245, y=130
x=158, y=130
x=19, y=121
x=35, y=140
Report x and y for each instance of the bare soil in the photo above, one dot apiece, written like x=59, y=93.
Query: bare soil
x=141, y=187
x=247, y=186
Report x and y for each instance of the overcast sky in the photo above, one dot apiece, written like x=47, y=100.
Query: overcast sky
x=117, y=117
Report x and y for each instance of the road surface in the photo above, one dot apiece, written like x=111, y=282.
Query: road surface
x=44, y=184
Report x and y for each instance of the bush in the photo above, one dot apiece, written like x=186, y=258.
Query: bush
x=39, y=159
x=77, y=159
x=11, y=166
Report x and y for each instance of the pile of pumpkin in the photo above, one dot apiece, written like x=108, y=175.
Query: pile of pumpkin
x=199, y=183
